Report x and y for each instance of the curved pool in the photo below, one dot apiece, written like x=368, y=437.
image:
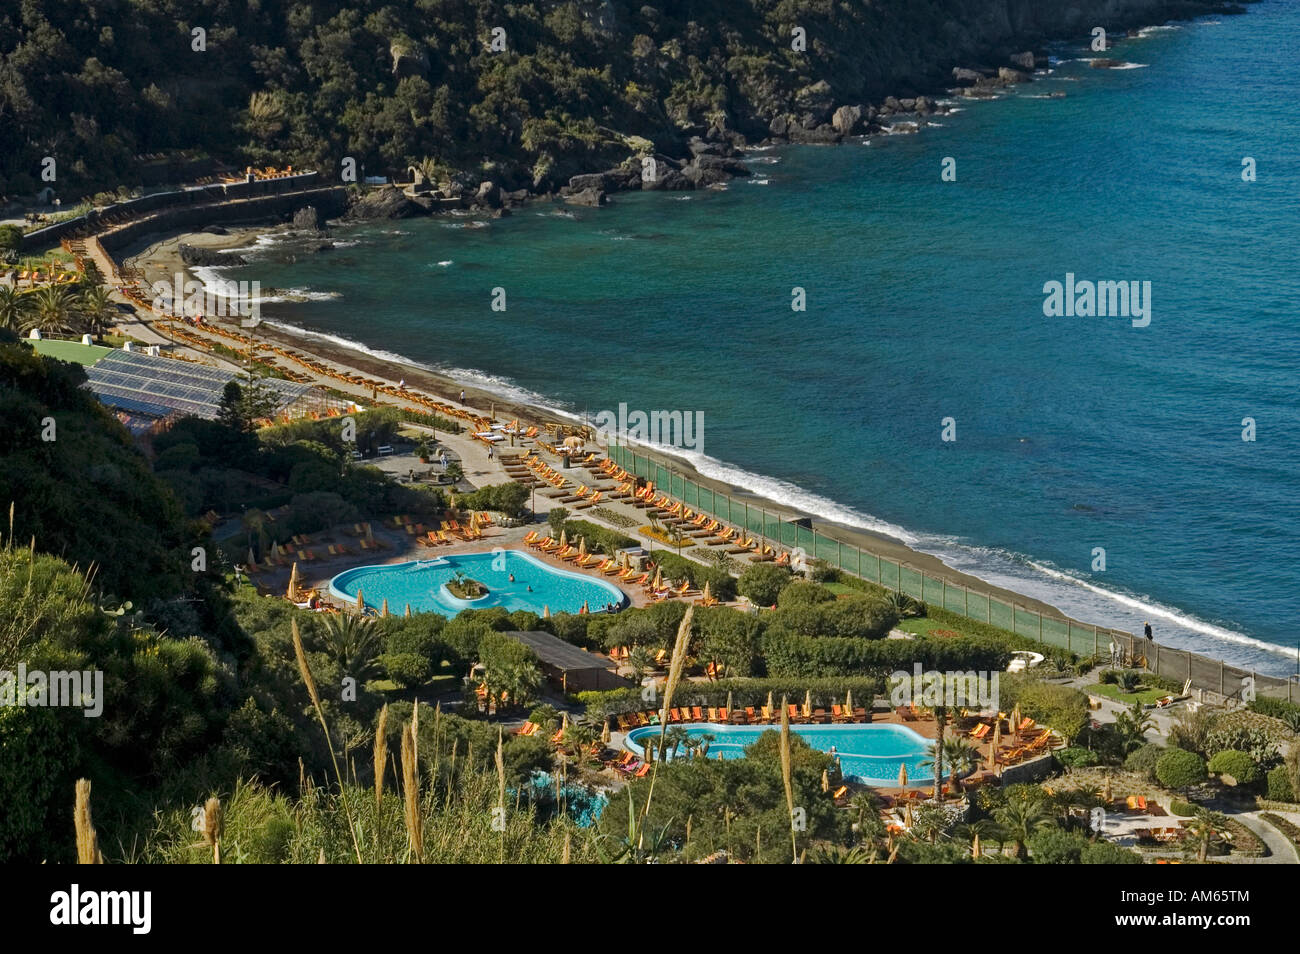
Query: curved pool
x=422, y=584
x=869, y=754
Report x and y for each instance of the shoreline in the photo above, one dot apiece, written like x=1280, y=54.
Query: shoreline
x=447, y=386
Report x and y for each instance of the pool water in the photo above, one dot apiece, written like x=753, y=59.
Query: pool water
x=421, y=583
x=869, y=754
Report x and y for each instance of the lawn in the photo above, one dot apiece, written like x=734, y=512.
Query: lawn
x=924, y=626
x=1113, y=691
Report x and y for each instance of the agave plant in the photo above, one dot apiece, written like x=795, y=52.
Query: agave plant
x=904, y=606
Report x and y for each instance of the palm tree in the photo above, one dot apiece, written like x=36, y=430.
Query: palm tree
x=1020, y=817
x=960, y=757
x=353, y=642
x=1205, y=827
x=675, y=736
x=638, y=657
x=1131, y=726
x=839, y=855
x=96, y=310
x=15, y=306
x=54, y=309
x=578, y=740
x=983, y=829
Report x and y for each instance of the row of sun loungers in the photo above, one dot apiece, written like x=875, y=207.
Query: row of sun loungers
x=749, y=715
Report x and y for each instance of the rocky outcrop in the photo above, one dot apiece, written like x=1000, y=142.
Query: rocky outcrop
x=307, y=219
x=206, y=257
x=1024, y=60
x=385, y=202
x=590, y=196
x=847, y=120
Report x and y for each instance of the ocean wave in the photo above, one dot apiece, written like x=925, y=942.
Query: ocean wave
x=1151, y=30
x=764, y=160
x=759, y=181
x=444, y=263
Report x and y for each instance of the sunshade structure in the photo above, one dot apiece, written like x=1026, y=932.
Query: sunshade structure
x=570, y=668
x=154, y=386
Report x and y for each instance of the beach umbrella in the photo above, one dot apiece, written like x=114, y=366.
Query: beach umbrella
x=848, y=702
x=384, y=609
x=584, y=608
x=1105, y=792
x=769, y=700
x=564, y=721
x=604, y=732
x=251, y=561
x=907, y=814
x=807, y=702
x=361, y=600
x=1015, y=719
x=975, y=846
x=826, y=781
x=293, y=581
x=546, y=612
x=564, y=538
x=728, y=701
x=708, y=594
x=408, y=609
x=582, y=546
x=659, y=578
x=902, y=775
x=624, y=561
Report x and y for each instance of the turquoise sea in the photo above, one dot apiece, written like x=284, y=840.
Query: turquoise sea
x=925, y=301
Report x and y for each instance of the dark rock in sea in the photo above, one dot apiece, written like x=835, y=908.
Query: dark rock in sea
x=706, y=170
x=905, y=128
x=206, y=257
x=216, y=230
x=847, y=120
x=1105, y=64
x=668, y=179
x=702, y=147
x=908, y=104
x=385, y=202
x=893, y=105
x=925, y=106
x=307, y=219
x=821, y=135
x=1024, y=60
x=963, y=75
x=488, y=195
x=779, y=126
x=1007, y=75
x=590, y=196
x=322, y=246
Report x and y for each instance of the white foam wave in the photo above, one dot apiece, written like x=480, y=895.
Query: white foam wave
x=759, y=181
x=445, y=262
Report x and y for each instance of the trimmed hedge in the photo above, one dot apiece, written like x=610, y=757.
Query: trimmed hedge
x=814, y=657
x=1237, y=764
x=745, y=692
x=1181, y=808
x=599, y=539
x=1277, y=708
x=1279, y=785
x=1178, y=769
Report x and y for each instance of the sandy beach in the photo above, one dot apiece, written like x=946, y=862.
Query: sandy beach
x=159, y=259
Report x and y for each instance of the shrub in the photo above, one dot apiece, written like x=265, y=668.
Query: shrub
x=1108, y=677
x=1077, y=757
x=1144, y=759
x=762, y=583
x=408, y=670
x=1179, y=769
x=803, y=593
x=1062, y=708
x=509, y=498
x=1108, y=853
x=1239, y=765
x=1279, y=785
x=1181, y=808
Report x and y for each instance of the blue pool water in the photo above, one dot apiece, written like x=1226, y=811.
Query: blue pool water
x=870, y=754
x=422, y=584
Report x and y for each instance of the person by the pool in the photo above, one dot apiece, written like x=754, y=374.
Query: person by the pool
x=512, y=577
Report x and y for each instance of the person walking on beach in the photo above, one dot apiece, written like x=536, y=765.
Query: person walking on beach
x=1146, y=631
x=462, y=395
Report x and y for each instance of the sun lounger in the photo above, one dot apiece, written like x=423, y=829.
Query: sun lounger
x=697, y=714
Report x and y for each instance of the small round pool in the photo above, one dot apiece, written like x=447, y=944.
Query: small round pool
x=423, y=584
x=869, y=754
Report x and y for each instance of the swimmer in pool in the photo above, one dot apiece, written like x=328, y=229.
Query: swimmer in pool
x=512, y=577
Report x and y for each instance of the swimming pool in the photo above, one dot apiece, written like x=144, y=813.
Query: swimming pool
x=422, y=584
x=870, y=754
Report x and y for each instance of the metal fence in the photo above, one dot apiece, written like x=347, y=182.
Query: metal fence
x=1084, y=639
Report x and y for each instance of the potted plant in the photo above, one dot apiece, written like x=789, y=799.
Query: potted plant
x=424, y=449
